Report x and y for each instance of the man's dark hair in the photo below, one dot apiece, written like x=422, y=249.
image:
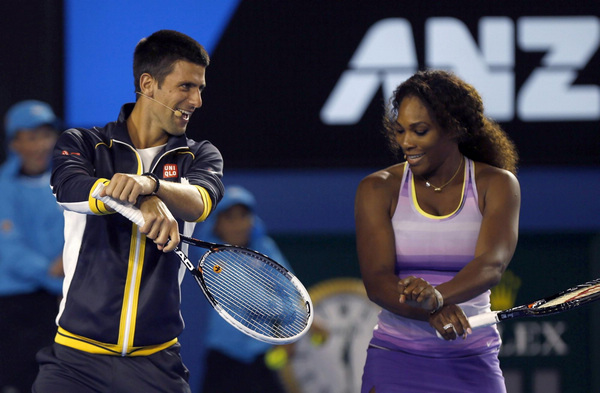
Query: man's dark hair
x=157, y=54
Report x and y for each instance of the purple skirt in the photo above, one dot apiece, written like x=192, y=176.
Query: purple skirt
x=400, y=372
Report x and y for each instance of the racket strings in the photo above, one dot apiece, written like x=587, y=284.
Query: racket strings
x=255, y=293
x=260, y=315
x=579, y=294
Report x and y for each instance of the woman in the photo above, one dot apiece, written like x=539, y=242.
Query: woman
x=434, y=234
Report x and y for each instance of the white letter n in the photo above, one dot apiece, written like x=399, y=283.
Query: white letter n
x=385, y=57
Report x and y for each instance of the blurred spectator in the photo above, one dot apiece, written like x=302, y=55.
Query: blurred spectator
x=31, y=243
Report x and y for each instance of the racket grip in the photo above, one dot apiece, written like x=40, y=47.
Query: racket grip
x=485, y=319
x=481, y=320
x=125, y=209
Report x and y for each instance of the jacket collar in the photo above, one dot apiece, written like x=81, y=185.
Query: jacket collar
x=120, y=133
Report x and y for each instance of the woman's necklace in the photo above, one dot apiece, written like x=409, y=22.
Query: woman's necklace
x=439, y=189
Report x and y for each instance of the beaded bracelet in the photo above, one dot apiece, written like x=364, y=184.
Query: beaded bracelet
x=153, y=176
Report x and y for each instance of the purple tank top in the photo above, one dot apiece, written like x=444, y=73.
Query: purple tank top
x=435, y=248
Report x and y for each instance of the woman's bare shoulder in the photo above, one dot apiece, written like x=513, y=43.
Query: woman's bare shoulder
x=384, y=177
x=488, y=173
x=495, y=182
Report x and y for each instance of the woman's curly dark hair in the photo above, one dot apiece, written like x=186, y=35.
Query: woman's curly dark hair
x=458, y=109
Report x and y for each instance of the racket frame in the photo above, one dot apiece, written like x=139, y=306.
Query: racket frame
x=537, y=309
x=197, y=272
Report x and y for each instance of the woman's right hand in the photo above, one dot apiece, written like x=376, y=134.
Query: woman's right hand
x=417, y=292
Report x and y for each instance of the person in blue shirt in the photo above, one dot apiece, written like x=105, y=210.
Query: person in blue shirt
x=235, y=362
x=31, y=243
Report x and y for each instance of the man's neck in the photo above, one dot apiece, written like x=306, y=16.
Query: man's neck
x=141, y=132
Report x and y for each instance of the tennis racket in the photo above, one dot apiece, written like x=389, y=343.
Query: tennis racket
x=248, y=289
x=563, y=301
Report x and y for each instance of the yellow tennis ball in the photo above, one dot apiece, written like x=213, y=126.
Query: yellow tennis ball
x=317, y=339
x=276, y=358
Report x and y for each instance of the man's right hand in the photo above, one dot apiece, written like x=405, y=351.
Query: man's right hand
x=159, y=223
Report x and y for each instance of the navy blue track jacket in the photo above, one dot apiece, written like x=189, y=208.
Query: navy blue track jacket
x=122, y=295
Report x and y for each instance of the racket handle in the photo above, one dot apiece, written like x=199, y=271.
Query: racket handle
x=124, y=208
x=485, y=319
x=481, y=320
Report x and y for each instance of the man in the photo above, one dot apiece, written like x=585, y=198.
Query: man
x=31, y=243
x=119, y=319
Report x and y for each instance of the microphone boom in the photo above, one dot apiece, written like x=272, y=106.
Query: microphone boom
x=176, y=112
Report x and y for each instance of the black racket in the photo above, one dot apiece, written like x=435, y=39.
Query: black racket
x=248, y=289
x=563, y=301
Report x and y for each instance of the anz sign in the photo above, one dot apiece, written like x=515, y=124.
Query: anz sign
x=387, y=56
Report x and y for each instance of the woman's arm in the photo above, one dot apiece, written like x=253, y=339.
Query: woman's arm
x=375, y=243
x=500, y=200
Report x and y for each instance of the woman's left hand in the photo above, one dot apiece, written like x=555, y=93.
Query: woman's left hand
x=450, y=322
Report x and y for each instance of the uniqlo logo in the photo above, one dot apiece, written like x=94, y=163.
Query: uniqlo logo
x=170, y=171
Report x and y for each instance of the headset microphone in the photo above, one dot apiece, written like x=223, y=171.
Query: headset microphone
x=176, y=112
